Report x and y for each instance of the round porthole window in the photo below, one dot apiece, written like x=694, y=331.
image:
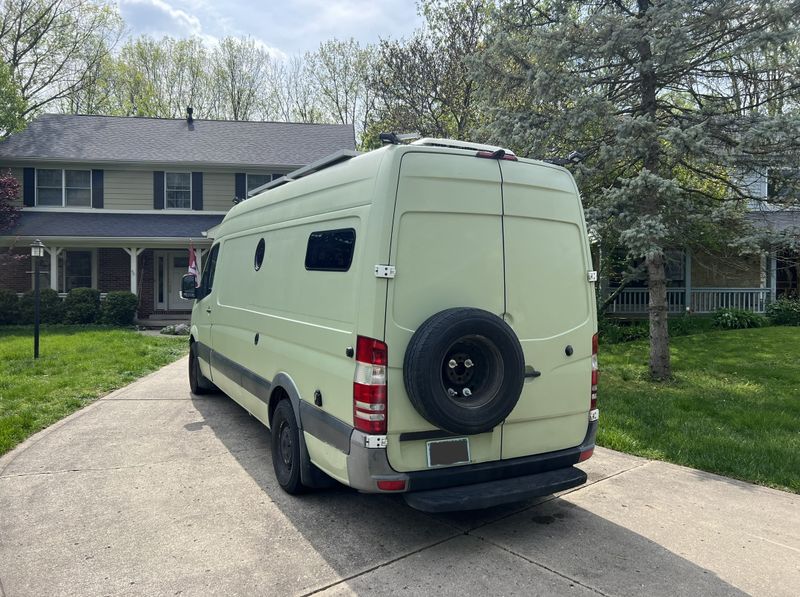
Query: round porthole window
x=259, y=258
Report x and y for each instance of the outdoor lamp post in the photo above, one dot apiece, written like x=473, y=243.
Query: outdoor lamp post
x=37, y=250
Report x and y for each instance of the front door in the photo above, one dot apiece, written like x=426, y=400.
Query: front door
x=178, y=266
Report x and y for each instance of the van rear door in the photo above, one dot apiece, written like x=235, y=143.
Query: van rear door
x=447, y=248
x=550, y=306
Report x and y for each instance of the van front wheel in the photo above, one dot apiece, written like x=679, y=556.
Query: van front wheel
x=286, y=448
x=198, y=383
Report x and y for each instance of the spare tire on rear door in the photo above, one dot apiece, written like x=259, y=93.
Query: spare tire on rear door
x=464, y=370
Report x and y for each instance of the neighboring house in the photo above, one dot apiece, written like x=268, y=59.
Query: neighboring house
x=117, y=201
x=703, y=281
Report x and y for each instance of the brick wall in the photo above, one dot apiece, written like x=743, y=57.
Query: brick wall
x=15, y=268
x=113, y=270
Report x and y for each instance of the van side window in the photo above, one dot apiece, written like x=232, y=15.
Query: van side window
x=330, y=250
x=207, y=281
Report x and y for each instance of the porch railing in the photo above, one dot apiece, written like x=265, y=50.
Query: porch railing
x=701, y=300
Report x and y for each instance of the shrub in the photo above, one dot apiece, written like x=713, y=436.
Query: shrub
x=9, y=307
x=737, y=319
x=688, y=325
x=51, y=307
x=613, y=332
x=82, y=305
x=119, y=308
x=784, y=311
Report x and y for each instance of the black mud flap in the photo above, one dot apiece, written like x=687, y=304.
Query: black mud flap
x=495, y=493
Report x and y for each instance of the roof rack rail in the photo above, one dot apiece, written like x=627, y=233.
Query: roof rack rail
x=326, y=162
x=456, y=144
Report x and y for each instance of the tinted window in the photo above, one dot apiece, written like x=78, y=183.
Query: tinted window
x=208, y=270
x=331, y=250
x=259, y=256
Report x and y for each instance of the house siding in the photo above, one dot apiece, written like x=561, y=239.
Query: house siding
x=717, y=271
x=128, y=189
x=218, y=191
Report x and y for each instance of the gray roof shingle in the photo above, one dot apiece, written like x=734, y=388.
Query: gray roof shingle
x=71, y=137
x=112, y=225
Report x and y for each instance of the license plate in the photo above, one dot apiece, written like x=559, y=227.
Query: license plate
x=448, y=451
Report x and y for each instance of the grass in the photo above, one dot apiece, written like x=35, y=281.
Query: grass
x=733, y=407
x=77, y=364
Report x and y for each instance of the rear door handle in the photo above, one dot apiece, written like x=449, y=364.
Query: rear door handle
x=208, y=309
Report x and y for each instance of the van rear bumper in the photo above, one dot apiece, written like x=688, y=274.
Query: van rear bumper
x=475, y=482
x=495, y=493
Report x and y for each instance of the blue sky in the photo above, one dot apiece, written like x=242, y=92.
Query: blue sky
x=287, y=27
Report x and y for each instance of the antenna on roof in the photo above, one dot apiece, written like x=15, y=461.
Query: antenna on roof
x=189, y=111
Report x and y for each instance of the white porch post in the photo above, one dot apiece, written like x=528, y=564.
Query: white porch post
x=199, y=259
x=773, y=276
x=54, y=253
x=688, y=281
x=134, y=253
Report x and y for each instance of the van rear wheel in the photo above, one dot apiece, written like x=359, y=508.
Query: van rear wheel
x=286, y=459
x=464, y=370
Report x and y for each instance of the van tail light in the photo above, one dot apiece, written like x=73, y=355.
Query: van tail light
x=369, y=386
x=595, y=376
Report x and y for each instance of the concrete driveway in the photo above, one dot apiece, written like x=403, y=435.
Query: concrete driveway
x=151, y=491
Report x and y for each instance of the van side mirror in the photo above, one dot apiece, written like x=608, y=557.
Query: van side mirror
x=189, y=289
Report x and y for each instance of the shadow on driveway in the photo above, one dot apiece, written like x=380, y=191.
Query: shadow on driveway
x=372, y=540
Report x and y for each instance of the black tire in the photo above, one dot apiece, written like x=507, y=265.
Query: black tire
x=470, y=353
x=286, y=459
x=198, y=383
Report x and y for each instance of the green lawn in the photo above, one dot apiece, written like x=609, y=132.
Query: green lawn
x=76, y=365
x=733, y=408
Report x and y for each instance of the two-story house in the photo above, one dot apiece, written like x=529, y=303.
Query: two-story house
x=117, y=201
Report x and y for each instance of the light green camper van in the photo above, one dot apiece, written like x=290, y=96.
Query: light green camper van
x=416, y=319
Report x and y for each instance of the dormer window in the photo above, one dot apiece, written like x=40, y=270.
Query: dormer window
x=178, y=190
x=63, y=188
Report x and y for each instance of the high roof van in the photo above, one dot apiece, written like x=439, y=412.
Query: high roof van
x=418, y=319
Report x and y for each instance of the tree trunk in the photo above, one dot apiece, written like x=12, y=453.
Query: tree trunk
x=660, y=369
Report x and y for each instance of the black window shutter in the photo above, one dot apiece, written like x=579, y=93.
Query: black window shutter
x=97, y=189
x=241, y=186
x=158, y=190
x=29, y=187
x=197, y=191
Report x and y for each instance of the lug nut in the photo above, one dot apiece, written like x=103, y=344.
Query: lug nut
x=452, y=393
x=467, y=392
x=452, y=364
x=468, y=363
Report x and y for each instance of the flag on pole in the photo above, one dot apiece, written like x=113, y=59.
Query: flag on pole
x=192, y=260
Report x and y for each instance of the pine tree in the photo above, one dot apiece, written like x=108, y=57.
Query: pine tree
x=674, y=103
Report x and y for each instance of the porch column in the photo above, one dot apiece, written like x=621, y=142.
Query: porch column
x=198, y=256
x=688, y=281
x=134, y=253
x=773, y=276
x=54, y=253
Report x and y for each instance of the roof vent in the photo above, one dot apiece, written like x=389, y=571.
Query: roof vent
x=189, y=111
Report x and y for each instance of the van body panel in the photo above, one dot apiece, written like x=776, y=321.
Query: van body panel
x=549, y=304
x=442, y=201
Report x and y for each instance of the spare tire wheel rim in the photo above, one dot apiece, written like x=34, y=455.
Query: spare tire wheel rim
x=472, y=371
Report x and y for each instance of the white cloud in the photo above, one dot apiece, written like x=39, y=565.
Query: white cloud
x=280, y=28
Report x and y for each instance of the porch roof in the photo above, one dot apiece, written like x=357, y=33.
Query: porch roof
x=109, y=225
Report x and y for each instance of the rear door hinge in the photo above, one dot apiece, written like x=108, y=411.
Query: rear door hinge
x=592, y=276
x=385, y=271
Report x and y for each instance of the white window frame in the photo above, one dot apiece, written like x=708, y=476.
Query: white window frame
x=247, y=176
x=64, y=187
x=166, y=190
